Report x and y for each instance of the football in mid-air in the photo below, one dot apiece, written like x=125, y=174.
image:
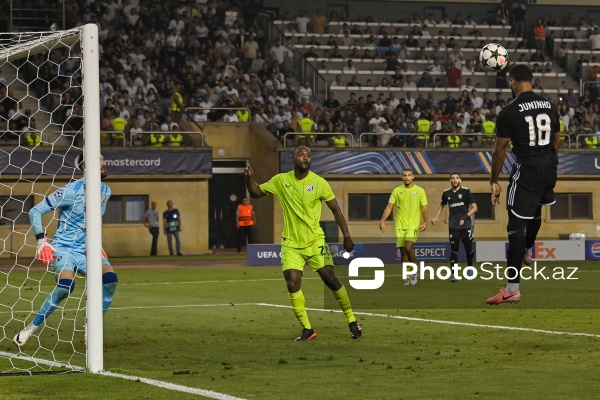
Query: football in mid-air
x=493, y=57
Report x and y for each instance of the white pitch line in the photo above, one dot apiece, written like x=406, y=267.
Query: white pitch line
x=172, y=386
x=39, y=361
x=445, y=322
x=153, y=382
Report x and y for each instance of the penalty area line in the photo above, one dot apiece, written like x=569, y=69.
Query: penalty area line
x=446, y=322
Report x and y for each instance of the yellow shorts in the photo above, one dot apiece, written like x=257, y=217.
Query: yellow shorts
x=317, y=255
x=406, y=235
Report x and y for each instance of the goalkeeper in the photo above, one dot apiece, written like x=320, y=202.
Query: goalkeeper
x=66, y=254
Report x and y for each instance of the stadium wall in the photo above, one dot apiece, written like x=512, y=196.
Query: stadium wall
x=401, y=11
x=434, y=186
x=189, y=194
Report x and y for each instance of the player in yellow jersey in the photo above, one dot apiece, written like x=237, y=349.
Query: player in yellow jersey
x=411, y=206
x=300, y=193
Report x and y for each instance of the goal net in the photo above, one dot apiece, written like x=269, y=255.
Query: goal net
x=43, y=79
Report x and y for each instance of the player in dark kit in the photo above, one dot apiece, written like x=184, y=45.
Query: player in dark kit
x=462, y=207
x=531, y=123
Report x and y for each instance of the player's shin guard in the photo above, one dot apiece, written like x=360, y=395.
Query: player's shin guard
x=454, y=244
x=109, y=286
x=299, y=307
x=342, y=297
x=533, y=227
x=516, y=246
x=60, y=292
x=468, y=242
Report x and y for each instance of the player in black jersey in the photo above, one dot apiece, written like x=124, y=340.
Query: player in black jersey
x=531, y=124
x=462, y=208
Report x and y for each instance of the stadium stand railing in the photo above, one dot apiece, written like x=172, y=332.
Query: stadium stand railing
x=287, y=136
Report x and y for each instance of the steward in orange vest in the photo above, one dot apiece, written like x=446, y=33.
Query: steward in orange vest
x=245, y=221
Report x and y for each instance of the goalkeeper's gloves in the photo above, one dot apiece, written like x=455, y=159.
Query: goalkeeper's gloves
x=104, y=254
x=45, y=251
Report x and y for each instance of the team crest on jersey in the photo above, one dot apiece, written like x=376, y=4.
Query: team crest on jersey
x=460, y=196
x=414, y=193
x=310, y=188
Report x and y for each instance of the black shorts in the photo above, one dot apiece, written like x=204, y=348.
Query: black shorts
x=461, y=234
x=530, y=186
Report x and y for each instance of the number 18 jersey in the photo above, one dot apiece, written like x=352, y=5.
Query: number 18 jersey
x=530, y=122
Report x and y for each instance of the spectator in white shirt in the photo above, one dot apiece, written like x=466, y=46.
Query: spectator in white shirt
x=476, y=100
x=468, y=67
x=278, y=53
x=349, y=67
x=177, y=23
x=594, y=40
x=302, y=22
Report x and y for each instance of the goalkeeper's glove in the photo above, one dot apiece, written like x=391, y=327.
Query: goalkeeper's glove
x=104, y=254
x=45, y=251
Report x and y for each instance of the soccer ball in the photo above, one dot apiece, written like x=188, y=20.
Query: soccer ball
x=493, y=57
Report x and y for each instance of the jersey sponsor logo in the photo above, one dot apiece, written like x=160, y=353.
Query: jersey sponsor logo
x=310, y=188
x=457, y=204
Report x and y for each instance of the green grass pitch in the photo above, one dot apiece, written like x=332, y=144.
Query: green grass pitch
x=217, y=327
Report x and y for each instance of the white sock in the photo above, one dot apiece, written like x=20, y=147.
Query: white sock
x=32, y=327
x=512, y=287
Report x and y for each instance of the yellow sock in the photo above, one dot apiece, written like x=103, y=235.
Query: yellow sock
x=299, y=307
x=342, y=298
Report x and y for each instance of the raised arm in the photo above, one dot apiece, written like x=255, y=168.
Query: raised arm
x=341, y=221
x=251, y=184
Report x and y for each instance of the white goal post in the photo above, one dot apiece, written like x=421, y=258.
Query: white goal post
x=51, y=79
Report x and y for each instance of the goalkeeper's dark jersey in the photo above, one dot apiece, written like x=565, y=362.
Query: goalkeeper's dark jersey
x=530, y=122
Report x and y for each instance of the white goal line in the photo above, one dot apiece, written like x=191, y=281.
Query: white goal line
x=153, y=382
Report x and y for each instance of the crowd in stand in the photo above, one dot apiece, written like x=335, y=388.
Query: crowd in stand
x=212, y=57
